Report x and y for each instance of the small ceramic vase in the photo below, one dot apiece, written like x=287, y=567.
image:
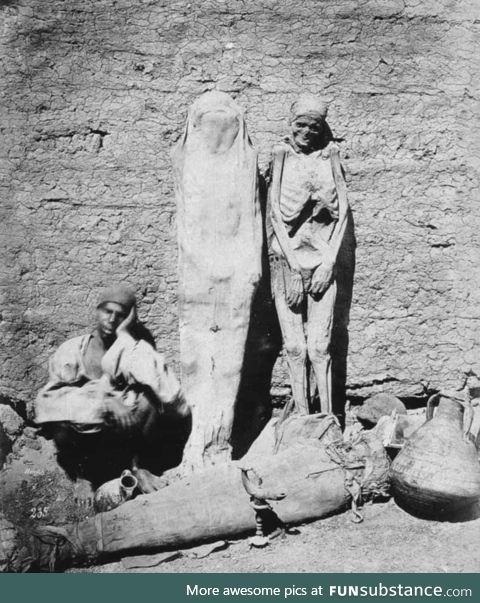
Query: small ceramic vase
x=115, y=492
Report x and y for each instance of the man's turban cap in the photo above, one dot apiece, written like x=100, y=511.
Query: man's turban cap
x=120, y=294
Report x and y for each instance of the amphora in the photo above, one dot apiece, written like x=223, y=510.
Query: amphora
x=437, y=473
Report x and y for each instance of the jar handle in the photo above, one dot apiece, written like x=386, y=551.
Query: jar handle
x=467, y=414
x=467, y=421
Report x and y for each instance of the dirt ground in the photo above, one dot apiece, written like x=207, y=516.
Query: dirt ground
x=34, y=491
x=388, y=540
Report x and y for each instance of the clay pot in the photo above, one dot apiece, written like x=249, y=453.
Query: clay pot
x=115, y=492
x=437, y=474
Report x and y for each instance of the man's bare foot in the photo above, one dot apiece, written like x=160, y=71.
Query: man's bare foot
x=148, y=482
x=83, y=493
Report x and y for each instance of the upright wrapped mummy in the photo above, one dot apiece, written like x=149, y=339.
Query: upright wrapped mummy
x=220, y=241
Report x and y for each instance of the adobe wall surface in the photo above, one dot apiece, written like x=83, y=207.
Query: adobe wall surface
x=94, y=94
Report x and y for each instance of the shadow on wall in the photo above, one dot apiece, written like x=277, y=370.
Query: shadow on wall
x=264, y=342
x=341, y=316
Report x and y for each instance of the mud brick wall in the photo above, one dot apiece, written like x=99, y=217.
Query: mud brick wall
x=93, y=95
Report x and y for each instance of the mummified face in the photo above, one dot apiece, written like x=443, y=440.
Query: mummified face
x=307, y=132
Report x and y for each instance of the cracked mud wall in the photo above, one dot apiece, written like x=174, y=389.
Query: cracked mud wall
x=94, y=94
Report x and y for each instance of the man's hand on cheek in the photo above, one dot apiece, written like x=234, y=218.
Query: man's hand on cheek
x=127, y=325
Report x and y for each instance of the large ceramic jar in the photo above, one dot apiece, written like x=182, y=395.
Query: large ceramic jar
x=437, y=473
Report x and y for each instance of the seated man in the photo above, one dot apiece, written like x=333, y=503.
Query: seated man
x=108, y=397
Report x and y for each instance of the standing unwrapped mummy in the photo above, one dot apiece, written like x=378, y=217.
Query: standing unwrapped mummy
x=220, y=240
x=308, y=211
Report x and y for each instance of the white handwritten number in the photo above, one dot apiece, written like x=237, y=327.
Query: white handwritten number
x=38, y=512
